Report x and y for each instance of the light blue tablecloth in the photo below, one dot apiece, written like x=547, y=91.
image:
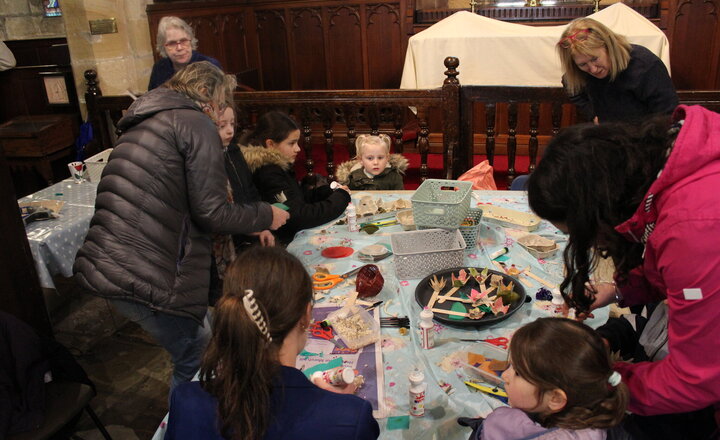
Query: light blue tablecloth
x=401, y=354
x=54, y=243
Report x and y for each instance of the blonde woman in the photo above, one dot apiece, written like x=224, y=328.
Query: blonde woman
x=161, y=196
x=610, y=79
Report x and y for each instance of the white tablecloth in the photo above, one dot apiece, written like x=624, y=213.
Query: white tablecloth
x=54, y=243
x=496, y=53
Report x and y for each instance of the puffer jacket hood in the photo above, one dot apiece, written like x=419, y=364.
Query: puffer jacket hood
x=161, y=195
x=342, y=174
x=160, y=100
x=257, y=157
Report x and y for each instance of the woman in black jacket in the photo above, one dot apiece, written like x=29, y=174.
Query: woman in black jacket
x=270, y=152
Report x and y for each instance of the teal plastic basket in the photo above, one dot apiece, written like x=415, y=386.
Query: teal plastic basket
x=469, y=233
x=439, y=203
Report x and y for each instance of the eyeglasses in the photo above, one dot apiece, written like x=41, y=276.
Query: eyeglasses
x=183, y=42
x=580, y=35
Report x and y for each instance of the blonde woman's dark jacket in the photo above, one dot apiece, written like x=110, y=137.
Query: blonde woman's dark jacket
x=162, y=194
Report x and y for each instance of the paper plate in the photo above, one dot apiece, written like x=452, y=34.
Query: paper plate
x=337, y=252
x=374, y=250
x=423, y=292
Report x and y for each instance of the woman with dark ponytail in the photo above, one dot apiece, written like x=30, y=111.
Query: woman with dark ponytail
x=647, y=197
x=249, y=387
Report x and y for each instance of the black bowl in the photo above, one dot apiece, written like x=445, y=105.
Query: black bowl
x=424, y=292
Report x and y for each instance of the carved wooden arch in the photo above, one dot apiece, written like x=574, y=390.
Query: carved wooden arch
x=262, y=16
x=314, y=13
x=373, y=10
x=335, y=12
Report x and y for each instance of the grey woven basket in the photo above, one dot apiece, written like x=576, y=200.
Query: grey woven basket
x=439, y=203
x=420, y=253
x=469, y=233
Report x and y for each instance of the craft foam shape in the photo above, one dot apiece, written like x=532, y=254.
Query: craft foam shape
x=458, y=307
x=399, y=422
x=510, y=218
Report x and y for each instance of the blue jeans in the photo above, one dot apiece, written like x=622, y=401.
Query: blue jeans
x=184, y=338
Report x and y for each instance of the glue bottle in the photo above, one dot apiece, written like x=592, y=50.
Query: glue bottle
x=417, y=393
x=337, y=376
x=558, y=302
x=352, y=218
x=427, y=329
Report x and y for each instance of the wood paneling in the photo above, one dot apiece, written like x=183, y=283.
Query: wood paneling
x=345, y=54
x=307, y=50
x=273, y=50
x=309, y=45
x=694, y=32
x=384, y=41
x=360, y=44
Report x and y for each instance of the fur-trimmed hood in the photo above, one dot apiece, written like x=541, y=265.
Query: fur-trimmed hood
x=342, y=173
x=257, y=157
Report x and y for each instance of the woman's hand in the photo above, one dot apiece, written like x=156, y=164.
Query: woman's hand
x=280, y=217
x=340, y=389
x=343, y=187
x=605, y=293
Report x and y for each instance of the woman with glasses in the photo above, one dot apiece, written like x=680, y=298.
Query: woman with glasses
x=609, y=79
x=176, y=44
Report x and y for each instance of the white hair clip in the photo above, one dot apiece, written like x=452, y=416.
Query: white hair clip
x=254, y=312
x=615, y=379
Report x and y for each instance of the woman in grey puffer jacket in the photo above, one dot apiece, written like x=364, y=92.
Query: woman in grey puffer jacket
x=162, y=194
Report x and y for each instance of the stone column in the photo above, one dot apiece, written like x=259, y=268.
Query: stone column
x=124, y=59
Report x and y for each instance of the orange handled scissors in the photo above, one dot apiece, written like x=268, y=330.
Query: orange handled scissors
x=325, y=281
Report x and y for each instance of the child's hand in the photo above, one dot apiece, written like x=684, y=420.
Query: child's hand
x=340, y=389
x=344, y=187
x=266, y=238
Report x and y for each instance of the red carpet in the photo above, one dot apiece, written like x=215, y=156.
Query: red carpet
x=412, y=176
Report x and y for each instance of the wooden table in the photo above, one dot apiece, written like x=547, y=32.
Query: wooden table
x=36, y=141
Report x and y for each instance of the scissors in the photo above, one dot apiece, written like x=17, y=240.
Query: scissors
x=317, y=330
x=325, y=281
x=498, y=342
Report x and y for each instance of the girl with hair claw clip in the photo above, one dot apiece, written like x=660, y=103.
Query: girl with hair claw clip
x=560, y=385
x=249, y=387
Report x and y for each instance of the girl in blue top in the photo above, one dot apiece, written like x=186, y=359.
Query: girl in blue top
x=249, y=387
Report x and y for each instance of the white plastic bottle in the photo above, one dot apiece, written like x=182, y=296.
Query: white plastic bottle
x=427, y=329
x=417, y=393
x=558, y=302
x=352, y=218
x=336, y=376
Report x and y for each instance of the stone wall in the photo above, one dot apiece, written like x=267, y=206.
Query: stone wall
x=24, y=20
x=123, y=60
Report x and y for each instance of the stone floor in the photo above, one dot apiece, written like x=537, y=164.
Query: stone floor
x=131, y=372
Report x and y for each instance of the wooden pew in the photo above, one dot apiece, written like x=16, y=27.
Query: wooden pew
x=517, y=117
x=333, y=116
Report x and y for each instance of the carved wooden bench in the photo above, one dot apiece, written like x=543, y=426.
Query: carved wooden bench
x=514, y=119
